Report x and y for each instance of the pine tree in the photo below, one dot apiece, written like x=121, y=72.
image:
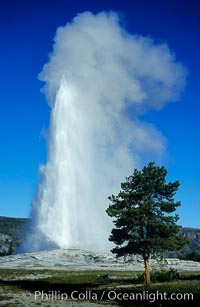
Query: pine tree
x=141, y=212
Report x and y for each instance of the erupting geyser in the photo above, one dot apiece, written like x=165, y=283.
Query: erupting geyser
x=98, y=81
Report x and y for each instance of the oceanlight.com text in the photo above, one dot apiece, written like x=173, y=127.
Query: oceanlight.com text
x=149, y=296
x=112, y=295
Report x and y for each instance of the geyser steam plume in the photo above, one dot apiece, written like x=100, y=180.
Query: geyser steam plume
x=98, y=80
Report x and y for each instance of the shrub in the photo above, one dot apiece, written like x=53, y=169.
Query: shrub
x=165, y=275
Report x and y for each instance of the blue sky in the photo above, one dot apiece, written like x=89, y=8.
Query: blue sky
x=27, y=31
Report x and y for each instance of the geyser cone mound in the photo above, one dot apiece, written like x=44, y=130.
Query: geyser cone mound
x=77, y=259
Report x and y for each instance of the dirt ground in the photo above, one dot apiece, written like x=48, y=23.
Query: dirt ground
x=21, y=298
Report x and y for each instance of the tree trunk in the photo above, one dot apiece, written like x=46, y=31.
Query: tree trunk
x=147, y=271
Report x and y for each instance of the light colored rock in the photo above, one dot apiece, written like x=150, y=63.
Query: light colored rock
x=77, y=259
